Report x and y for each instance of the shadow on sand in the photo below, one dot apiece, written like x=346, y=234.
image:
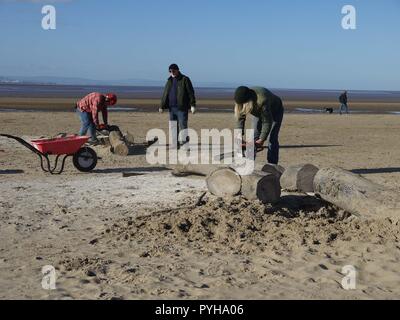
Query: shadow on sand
x=300, y=146
x=376, y=170
x=137, y=149
x=11, y=171
x=137, y=170
x=290, y=206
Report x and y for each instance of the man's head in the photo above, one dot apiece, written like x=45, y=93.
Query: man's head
x=243, y=94
x=245, y=99
x=173, y=70
x=111, y=99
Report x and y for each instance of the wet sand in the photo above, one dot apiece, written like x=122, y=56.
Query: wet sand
x=147, y=99
x=205, y=105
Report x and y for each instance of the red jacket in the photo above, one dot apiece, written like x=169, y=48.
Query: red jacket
x=93, y=103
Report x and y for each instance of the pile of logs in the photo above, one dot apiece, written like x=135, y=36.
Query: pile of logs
x=118, y=144
x=342, y=188
x=224, y=181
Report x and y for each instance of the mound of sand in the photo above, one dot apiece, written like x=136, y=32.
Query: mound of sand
x=240, y=226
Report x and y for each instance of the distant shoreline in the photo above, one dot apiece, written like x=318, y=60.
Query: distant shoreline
x=147, y=99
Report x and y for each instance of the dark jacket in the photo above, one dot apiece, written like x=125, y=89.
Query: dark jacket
x=268, y=107
x=185, y=93
x=343, y=98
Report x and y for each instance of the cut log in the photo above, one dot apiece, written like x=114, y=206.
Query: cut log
x=118, y=144
x=262, y=186
x=356, y=194
x=224, y=182
x=275, y=169
x=129, y=138
x=104, y=140
x=184, y=170
x=299, y=178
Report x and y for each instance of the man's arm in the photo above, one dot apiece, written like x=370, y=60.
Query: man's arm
x=266, y=120
x=104, y=113
x=241, y=123
x=190, y=91
x=164, y=98
x=95, y=111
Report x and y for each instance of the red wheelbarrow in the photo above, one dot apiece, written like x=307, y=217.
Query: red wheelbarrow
x=83, y=158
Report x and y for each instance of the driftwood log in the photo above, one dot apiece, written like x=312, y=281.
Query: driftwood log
x=299, y=178
x=356, y=194
x=118, y=144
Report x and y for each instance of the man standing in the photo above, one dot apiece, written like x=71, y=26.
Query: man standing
x=178, y=97
x=343, y=103
x=88, y=109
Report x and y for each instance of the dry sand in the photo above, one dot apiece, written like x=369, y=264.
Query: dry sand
x=143, y=236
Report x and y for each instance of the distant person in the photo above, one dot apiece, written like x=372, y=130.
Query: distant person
x=267, y=109
x=88, y=109
x=343, y=103
x=179, y=98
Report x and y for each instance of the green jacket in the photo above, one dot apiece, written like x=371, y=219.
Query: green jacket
x=185, y=93
x=266, y=106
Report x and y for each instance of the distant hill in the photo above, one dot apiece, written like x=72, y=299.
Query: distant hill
x=83, y=81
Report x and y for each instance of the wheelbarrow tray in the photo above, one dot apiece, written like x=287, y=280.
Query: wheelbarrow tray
x=58, y=146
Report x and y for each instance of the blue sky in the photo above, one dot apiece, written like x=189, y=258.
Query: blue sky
x=274, y=43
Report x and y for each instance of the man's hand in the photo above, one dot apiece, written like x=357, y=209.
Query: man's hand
x=160, y=110
x=193, y=109
x=102, y=127
x=259, y=144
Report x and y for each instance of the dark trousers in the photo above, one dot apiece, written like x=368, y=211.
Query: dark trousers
x=273, y=145
x=344, y=107
x=181, y=117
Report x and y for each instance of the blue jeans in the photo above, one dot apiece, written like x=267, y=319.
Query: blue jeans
x=182, y=118
x=87, y=124
x=344, y=106
x=273, y=145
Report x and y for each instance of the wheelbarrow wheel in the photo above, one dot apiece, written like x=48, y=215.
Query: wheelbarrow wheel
x=85, y=159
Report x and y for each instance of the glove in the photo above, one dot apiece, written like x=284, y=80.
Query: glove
x=160, y=110
x=102, y=127
x=193, y=109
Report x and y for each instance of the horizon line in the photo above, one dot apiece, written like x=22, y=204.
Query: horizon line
x=222, y=86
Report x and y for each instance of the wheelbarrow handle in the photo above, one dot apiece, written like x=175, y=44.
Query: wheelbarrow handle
x=24, y=143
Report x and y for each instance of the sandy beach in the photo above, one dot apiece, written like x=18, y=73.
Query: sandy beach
x=143, y=237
